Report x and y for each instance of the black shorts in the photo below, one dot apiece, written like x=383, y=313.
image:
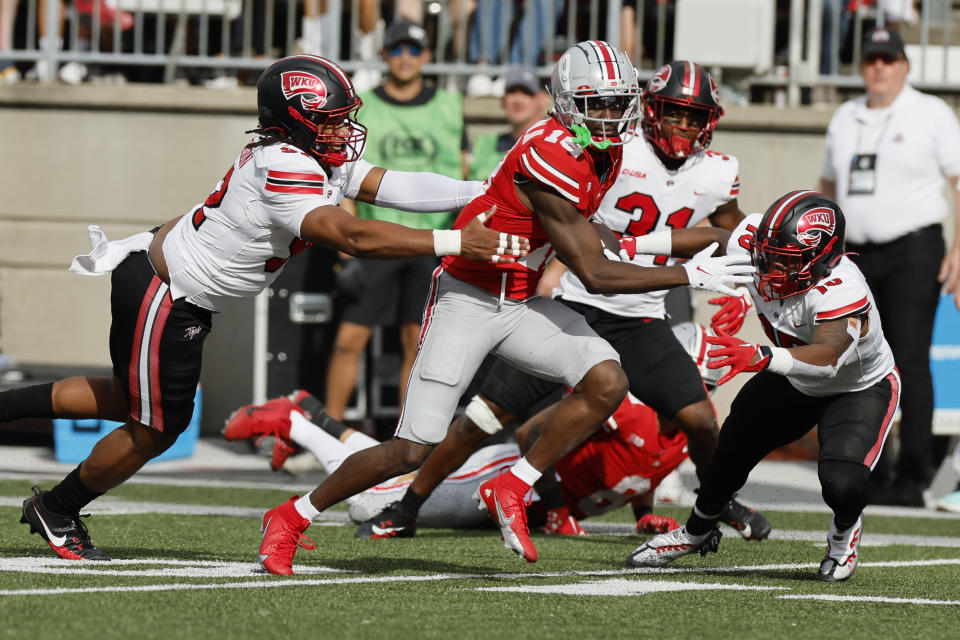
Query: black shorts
x=156, y=345
x=769, y=413
x=394, y=292
x=661, y=373
x=517, y=392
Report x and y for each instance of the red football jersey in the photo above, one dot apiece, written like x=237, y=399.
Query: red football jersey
x=625, y=459
x=546, y=154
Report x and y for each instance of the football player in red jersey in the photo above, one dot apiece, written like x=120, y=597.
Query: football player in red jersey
x=544, y=190
x=280, y=195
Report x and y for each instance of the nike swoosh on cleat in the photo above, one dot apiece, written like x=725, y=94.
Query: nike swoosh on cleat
x=501, y=516
x=385, y=531
x=57, y=541
x=261, y=558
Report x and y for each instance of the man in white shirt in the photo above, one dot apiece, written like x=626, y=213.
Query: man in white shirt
x=889, y=154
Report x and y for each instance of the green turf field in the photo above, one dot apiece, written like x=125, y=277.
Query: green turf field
x=179, y=573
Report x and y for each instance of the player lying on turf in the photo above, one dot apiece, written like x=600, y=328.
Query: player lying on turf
x=830, y=368
x=623, y=463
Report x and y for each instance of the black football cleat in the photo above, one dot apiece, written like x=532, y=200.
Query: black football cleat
x=389, y=523
x=750, y=524
x=66, y=535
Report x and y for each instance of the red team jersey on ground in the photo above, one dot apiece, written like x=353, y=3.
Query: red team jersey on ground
x=625, y=459
x=545, y=154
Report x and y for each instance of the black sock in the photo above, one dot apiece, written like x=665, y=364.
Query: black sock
x=552, y=498
x=71, y=495
x=698, y=525
x=410, y=503
x=35, y=401
x=319, y=417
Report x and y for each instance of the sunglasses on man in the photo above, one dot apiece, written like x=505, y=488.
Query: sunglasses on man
x=884, y=58
x=397, y=50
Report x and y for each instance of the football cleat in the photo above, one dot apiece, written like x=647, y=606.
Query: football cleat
x=653, y=523
x=843, y=553
x=561, y=523
x=282, y=528
x=750, y=524
x=503, y=498
x=66, y=535
x=270, y=419
x=663, y=549
x=392, y=522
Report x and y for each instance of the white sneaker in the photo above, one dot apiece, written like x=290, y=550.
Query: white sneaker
x=949, y=502
x=40, y=72
x=365, y=79
x=72, y=73
x=479, y=84
x=663, y=549
x=843, y=553
x=9, y=75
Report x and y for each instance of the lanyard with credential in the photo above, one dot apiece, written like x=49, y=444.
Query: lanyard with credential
x=863, y=166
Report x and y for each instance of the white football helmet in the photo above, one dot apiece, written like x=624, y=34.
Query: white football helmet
x=590, y=78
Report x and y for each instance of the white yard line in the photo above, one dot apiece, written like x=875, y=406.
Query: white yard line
x=619, y=586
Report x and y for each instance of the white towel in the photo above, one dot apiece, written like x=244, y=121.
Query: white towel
x=105, y=256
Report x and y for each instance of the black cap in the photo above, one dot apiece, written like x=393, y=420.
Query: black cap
x=883, y=41
x=405, y=31
x=521, y=77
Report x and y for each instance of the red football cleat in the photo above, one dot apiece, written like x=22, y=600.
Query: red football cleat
x=270, y=419
x=561, y=523
x=652, y=523
x=503, y=497
x=282, y=528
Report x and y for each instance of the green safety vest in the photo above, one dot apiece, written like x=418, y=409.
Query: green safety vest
x=422, y=137
x=488, y=150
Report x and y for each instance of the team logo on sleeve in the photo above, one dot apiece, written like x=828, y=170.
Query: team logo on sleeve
x=660, y=79
x=312, y=91
x=814, y=223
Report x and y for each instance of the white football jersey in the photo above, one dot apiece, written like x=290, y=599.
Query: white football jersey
x=235, y=243
x=647, y=197
x=790, y=322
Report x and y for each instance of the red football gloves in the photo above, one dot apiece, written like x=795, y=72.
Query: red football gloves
x=732, y=312
x=652, y=523
x=628, y=247
x=736, y=354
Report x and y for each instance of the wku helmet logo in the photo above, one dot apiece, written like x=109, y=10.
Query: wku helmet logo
x=659, y=79
x=813, y=224
x=310, y=88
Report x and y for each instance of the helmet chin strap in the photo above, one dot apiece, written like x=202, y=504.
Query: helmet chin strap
x=583, y=137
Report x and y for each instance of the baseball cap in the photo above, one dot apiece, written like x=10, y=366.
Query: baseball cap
x=885, y=42
x=405, y=31
x=522, y=77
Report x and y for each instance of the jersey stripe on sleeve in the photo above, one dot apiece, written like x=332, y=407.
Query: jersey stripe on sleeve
x=853, y=309
x=550, y=175
x=295, y=182
x=735, y=187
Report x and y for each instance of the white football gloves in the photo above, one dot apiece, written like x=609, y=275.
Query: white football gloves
x=712, y=273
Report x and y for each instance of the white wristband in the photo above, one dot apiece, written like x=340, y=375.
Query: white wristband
x=446, y=242
x=780, y=361
x=659, y=243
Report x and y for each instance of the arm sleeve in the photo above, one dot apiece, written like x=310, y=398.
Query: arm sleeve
x=425, y=192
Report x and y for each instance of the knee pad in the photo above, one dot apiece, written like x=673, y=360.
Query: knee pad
x=482, y=416
x=844, y=487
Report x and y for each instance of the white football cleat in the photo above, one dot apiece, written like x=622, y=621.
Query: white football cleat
x=663, y=549
x=843, y=553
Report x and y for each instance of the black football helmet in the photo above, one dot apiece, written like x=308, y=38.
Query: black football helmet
x=799, y=240
x=687, y=85
x=311, y=101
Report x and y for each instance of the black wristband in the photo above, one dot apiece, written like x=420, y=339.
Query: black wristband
x=766, y=352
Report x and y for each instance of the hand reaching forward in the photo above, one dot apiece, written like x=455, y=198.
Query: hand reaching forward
x=479, y=242
x=740, y=356
x=705, y=271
